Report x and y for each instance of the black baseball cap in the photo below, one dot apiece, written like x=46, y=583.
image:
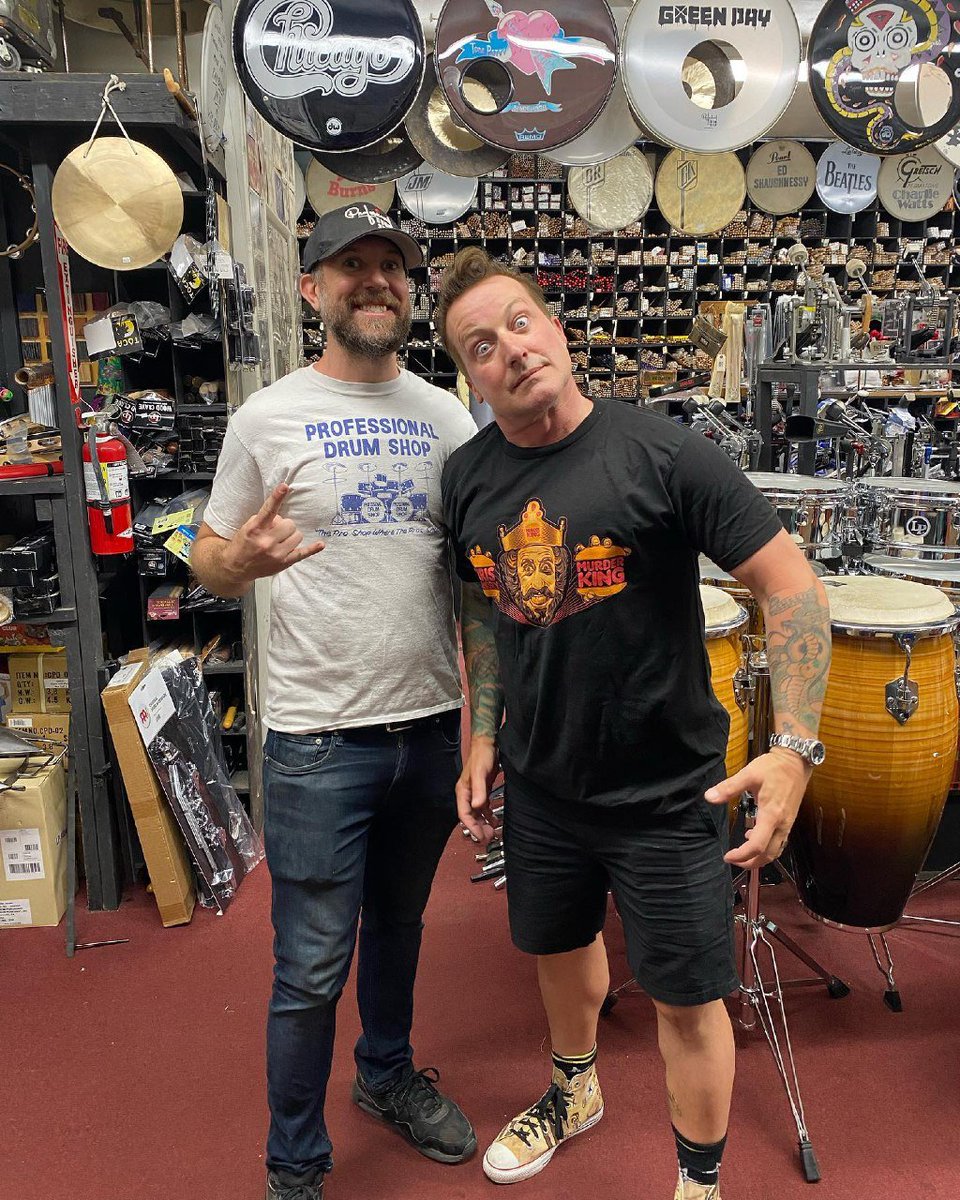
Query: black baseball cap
x=336, y=230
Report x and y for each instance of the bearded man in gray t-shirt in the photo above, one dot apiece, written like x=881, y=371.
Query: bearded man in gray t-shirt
x=329, y=484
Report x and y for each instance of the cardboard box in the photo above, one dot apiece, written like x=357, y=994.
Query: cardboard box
x=38, y=681
x=33, y=850
x=164, y=851
x=52, y=729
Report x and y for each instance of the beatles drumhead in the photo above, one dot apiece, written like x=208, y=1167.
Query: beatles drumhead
x=548, y=74
x=327, y=191
x=915, y=186
x=751, y=54
x=847, y=178
x=441, y=139
x=385, y=161
x=865, y=60
x=213, y=77
x=700, y=193
x=781, y=177
x=612, y=194
x=315, y=71
x=435, y=197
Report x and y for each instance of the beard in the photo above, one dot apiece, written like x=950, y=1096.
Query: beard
x=342, y=322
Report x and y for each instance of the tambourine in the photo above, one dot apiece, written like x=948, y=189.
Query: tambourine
x=314, y=70
x=869, y=63
x=547, y=74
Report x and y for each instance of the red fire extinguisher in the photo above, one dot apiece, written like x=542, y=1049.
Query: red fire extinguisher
x=107, y=487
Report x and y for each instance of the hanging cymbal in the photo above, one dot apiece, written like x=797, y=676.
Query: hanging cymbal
x=118, y=204
x=384, y=162
x=441, y=139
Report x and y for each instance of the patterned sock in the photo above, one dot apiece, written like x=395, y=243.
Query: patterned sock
x=575, y=1064
x=698, y=1162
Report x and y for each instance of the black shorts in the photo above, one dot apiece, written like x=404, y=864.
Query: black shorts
x=667, y=875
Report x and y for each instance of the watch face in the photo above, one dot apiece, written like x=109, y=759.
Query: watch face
x=818, y=752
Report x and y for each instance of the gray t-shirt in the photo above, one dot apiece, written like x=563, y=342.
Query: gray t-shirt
x=363, y=632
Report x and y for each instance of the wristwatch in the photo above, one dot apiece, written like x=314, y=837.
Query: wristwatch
x=809, y=749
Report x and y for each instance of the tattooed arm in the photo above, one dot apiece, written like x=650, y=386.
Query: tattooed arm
x=486, y=712
x=797, y=621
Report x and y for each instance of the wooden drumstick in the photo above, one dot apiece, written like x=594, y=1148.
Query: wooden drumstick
x=181, y=97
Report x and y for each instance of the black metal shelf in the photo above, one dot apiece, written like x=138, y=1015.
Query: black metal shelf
x=235, y=667
x=34, y=485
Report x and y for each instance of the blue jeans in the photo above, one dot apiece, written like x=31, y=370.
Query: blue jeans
x=355, y=821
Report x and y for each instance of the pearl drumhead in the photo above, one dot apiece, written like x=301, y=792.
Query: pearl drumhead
x=548, y=73
x=611, y=195
x=847, y=178
x=915, y=186
x=315, y=72
x=662, y=45
x=781, y=177
x=327, y=191
x=441, y=139
x=436, y=198
x=700, y=193
x=872, y=602
x=866, y=69
x=721, y=613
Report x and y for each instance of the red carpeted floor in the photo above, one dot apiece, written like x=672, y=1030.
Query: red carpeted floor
x=135, y=1072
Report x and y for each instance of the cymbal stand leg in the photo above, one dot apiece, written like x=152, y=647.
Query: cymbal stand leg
x=942, y=877
x=768, y=1001
x=891, y=997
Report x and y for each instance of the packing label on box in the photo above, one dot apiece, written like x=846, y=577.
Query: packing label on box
x=172, y=520
x=22, y=856
x=15, y=912
x=152, y=706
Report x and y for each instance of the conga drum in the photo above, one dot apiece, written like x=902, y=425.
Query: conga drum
x=943, y=573
x=713, y=576
x=889, y=724
x=912, y=518
x=724, y=621
x=814, y=511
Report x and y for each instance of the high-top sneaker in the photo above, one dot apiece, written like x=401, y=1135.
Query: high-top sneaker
x=528, y=1142
x=689, y=1189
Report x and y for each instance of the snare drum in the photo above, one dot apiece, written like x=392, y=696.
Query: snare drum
x=916, y=518
x=724, y=621
x=889, y=724
x=812, y=510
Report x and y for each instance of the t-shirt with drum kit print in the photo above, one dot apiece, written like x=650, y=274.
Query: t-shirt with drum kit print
x=587, y=550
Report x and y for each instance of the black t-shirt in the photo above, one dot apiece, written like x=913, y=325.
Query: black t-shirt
x=588, y=550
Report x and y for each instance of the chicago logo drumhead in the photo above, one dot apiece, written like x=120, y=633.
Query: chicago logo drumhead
x=313, y=70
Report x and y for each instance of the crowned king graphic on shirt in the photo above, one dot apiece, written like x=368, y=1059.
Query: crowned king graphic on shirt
x=536, y=580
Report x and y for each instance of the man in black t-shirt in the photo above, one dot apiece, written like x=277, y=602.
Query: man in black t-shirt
x=577, y=526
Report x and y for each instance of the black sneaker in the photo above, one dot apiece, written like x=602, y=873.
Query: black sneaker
x=430, y=1121
x=281, y=1186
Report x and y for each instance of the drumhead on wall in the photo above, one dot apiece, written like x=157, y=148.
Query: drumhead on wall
x=847, y=178
x=865, y=69
x=710, y=85
x=435, y=197
x=781, y=177
x=441, y=139
x=327, y=191
x=700, y=193
x=916, y=185
x=314, y=70
x=382, y=162
x=548, y=73
x=613, y=194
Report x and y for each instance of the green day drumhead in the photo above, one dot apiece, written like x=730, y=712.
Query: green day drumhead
x=847, y=178
x=781, y=177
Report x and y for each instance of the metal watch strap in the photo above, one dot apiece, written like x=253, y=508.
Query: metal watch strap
x=802, y=746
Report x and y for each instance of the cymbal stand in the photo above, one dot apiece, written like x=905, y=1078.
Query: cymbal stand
x=943, y=877
x=761, y=989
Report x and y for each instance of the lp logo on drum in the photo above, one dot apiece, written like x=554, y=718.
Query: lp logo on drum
x=918, y=526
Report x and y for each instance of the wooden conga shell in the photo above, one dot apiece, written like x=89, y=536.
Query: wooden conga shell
x=724, y=621
x=871, y=810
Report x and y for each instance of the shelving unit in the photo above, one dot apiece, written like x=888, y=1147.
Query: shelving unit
x=627, y=298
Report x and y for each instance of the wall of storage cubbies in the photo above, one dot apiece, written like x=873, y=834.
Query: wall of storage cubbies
x=627, y=298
